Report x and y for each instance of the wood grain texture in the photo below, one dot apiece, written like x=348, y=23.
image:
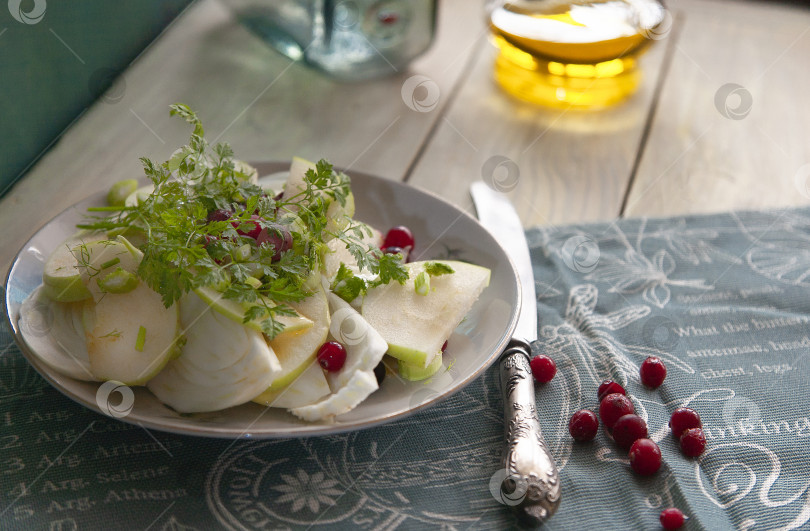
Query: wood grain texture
x=567, y=165
x=266, y=106
x=698, y=160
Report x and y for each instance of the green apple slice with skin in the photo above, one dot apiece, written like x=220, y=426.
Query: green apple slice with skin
x=222, y=363
x=310, y=387
x=235, y=311
x=61, y=278
x=338, y=215
x=415, y=326
x=100, y=258
x=365, y=347
x=55, y=334
x=416, y=373
x=130, y=336
x=297, y=350
x=357, y=389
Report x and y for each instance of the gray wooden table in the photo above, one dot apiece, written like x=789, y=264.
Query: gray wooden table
x=687, y=142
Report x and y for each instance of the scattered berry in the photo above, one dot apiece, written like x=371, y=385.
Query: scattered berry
x=672, y=518
x=682, y=419
x=332, y=356
x=219, y=215
x=607, y=387
x=628, y=429
x=614, y=406
x=645, y=457
x=444, y=347
x=280, y=238
x=543, y=368
x=246, y=230
x=583, y=425
x=693, y=442
x=653, y=371
x=399, y=236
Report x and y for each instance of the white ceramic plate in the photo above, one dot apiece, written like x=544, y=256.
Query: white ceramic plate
x=441, y=230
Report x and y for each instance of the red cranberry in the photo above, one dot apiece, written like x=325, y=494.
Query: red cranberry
x=614, y=406
x=607, y=387
x=672, y=518
x=277, y=236
x=628, y=429
x=332, y=356
x=583, y=425
x=693, y=442
x=543, y=368
x=252, y=232
x=444, y=347
x=645, y=457
x=653, y=371
x=399, y=236
x=682, y=419
x=220, y=214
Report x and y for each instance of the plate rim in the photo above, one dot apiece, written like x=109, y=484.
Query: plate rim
x=307, y=429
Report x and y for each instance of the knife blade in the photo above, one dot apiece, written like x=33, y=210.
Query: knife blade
x=531, y=481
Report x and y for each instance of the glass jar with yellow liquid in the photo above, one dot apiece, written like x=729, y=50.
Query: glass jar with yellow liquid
x=573, y=53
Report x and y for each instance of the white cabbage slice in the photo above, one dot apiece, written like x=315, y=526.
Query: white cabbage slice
x=222, y=364
x=357, y=389
x=365, y=347
x=55, y=334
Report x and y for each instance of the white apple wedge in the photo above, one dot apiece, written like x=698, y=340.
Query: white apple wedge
x=415, y=325
x=297, y=350
x=235, y=311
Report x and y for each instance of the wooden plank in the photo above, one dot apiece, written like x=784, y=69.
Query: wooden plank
x=571, y=166
x=263, y=104
x=697, y=159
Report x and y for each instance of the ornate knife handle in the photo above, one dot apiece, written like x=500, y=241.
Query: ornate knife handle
x=532, y=484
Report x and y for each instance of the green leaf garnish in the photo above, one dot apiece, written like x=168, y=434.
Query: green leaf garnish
x=436, y=269
x=183, y=249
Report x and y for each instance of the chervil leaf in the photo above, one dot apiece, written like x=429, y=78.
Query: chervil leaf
x=436, y=269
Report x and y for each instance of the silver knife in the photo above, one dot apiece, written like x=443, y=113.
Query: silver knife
x=531, y=481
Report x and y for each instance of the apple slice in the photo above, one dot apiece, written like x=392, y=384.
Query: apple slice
x=235, y=311
x=130, y=336
x=297, y=350
x=310, y=387
x=357, y=389
x=61, y=278
x=415, y=325
x=222, y=364
x=415, y=373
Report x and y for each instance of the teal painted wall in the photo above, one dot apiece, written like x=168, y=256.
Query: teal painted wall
x=57, y=59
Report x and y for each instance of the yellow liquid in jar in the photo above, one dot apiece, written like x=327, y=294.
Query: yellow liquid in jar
x=580, y=54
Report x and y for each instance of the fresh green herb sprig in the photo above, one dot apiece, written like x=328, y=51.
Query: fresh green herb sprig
x=185, y=249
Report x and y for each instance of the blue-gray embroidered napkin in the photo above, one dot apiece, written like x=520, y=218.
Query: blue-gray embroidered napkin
x=724, y=300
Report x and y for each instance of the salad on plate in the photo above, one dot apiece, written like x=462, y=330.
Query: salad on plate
x=214, y=289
